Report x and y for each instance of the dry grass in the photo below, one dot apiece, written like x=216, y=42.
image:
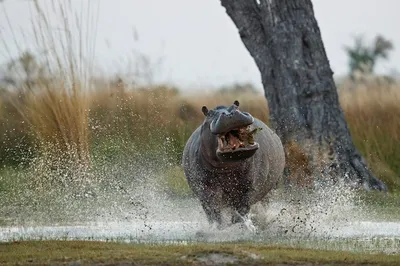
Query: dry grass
x=59, y=119
x=159, y=120
x=141, y=113
x=373, y=115
x=52, y=96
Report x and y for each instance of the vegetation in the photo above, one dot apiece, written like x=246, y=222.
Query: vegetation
x=233, y=254
x=156, y=122
x=363, y=57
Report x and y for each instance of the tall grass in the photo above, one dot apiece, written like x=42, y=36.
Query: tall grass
x=373, y=115
x=158, y=121
x=53, y=102
x=59, y=120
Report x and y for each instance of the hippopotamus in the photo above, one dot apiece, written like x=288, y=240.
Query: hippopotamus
x=231, y=162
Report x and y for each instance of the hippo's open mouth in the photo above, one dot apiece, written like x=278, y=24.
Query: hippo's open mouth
x=238, y=143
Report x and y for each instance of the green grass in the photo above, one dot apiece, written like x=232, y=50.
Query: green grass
x=381, y=206
x=47, y=252
x=175, y=182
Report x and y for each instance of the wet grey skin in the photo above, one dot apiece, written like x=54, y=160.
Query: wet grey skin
x=229, y=169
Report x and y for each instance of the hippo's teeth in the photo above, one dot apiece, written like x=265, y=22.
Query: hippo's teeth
x=220, y=143
x=236, y=139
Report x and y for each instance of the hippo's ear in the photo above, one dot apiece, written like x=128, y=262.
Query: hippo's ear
x=204, y=109
x=236, y=102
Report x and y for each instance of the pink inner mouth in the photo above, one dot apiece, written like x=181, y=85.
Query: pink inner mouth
x=236, y=139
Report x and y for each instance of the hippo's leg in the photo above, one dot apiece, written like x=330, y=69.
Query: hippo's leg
x=241, y=214
x=211, y=203
x=240, y=211
x=213, y=214
x=239, y=202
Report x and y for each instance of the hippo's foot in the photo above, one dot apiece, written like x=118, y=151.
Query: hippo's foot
x=244, y=220
x=213, y=214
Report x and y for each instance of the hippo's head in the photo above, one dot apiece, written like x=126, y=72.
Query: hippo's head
x=227, y=133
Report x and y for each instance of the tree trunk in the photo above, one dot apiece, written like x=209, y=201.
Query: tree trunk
x=284, y=39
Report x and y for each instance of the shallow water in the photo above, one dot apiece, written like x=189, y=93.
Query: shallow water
x=330, y=218
x=159, y=231
x=187, y=224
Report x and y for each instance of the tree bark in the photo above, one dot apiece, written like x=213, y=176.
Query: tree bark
x=284, y=39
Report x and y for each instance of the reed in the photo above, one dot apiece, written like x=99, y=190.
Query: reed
x=52, y=97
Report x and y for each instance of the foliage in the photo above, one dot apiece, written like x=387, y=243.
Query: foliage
x=363, y=57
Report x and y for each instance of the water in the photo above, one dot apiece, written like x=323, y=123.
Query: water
x=143, y=212
x=160, y=231
x=357, y=236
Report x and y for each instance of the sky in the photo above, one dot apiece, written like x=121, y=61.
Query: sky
x=195, y=40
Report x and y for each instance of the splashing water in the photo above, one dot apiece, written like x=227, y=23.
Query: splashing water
x=127, y=203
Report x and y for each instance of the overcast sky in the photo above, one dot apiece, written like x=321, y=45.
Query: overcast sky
x=198, y=42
